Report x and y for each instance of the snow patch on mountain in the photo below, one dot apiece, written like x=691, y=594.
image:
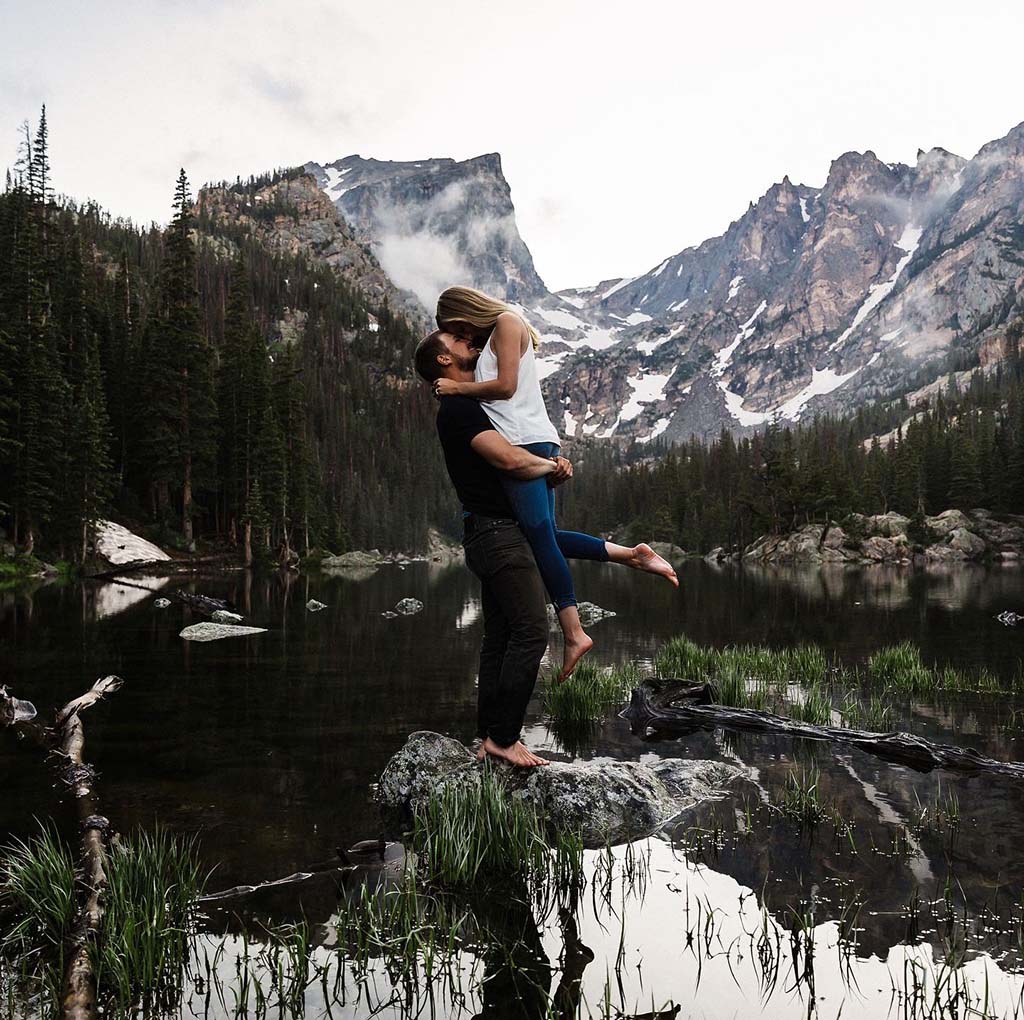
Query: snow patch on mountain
x=724, y=356
x=823, y=381
x=734, y=287
x=646, y=389
x=878, y=292
x=624, y=282
x=559, y=318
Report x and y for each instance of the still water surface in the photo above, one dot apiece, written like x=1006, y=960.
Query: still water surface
x=268, y=746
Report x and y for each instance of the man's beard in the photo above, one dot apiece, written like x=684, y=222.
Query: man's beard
x=465, y=364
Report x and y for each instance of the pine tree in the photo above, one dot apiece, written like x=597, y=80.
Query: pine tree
x=964, y=477
x=92, y=475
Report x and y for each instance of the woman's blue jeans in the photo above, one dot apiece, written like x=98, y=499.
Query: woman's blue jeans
x=534, y=506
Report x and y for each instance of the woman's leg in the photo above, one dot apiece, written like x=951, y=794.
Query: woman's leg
x=577, y=546
x=532, y=508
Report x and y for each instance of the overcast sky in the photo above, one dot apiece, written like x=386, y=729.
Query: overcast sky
x=627, y=130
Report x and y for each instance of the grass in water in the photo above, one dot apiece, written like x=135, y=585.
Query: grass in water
x=152, y=881
x=142, y=949
x=589, y=692
x=473, y=832
x=800, y=798
x=38, y=887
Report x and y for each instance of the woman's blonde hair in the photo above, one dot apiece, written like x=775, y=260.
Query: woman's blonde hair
x=459, y=305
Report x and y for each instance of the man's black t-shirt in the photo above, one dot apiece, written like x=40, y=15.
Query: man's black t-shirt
x=459, y=421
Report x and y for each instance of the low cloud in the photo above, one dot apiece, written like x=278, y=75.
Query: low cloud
x=422, y=263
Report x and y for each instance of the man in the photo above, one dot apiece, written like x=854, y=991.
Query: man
x=513, y=596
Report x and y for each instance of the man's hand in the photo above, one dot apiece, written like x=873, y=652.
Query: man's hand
x=446, y=388
x=562, y=472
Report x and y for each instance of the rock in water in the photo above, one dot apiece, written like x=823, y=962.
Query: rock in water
x=590, y=613
x=215, y=631
x=406, y=607
x=314, y=607
x=15, y=710
x=612, y=802
x=224, y=616
x=161, y=603
x=670, y=551
x=389, y=615
x=1009, y=618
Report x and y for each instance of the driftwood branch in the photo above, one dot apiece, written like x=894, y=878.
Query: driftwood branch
x=680, y=707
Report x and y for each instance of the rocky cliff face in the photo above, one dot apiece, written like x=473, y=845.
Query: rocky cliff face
x=435, y=223
x=815, y=299
x=294, y=216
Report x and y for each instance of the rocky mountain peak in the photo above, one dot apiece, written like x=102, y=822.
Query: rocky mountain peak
x=436, y=222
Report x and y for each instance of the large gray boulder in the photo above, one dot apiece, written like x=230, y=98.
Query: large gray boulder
x=670, y=551
x=608, y=802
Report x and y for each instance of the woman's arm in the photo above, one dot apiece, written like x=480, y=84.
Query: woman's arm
x=506, y=340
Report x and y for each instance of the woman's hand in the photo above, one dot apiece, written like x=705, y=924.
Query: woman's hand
x=562, y=472
x=446, y=388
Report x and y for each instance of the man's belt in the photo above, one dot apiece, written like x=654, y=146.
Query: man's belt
x=473, y=523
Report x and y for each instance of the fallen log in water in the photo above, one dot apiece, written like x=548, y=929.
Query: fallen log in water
x=78, y=995
x=681, y=707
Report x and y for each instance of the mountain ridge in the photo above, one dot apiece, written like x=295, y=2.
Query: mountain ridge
x=814, y=299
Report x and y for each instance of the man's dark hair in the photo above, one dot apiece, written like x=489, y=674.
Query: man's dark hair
x=426, y=356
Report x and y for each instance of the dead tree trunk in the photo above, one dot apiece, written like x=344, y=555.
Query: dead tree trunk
x=655, y=706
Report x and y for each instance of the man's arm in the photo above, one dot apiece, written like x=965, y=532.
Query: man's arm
x=513, y=460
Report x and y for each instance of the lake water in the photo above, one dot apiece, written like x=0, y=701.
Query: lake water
x=268, y=747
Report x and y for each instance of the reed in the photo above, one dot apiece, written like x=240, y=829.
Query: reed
x=476, y=831
x=38, y=889
x=153, y=878
x=143, y=946
x=589, y=693
x=800, y=799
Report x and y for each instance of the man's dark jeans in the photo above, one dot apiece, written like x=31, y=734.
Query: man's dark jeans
x=515, y=624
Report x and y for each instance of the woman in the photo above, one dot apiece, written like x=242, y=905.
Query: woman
x=507, y=384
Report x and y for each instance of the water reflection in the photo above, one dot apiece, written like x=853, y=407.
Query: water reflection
x=269, y=745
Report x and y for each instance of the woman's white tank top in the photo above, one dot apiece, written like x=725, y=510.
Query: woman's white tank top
x=523, y=418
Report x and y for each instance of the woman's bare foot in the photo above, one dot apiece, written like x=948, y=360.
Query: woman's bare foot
x=577, y=644
x=645, y=558
x=575, y=649
x=518, y=754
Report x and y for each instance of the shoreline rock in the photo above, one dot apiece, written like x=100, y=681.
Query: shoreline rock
x=892, y=538
x=609, y=802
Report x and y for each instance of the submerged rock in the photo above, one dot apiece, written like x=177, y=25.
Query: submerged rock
x=590, y=613
x=669, y=551
x=352, y=561
x=225, y=616
x=408, y=606
x=314, y=607
x=1009, y=618
x=15, y=710
x=208, y=631
x=161, y=603
x=608, y=802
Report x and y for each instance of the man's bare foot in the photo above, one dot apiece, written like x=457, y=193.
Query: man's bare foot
x=645, y=558
x=574, y=650
x=480, y=752
x=518, y=754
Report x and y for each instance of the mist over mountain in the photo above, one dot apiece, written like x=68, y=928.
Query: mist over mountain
x=814, y=299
